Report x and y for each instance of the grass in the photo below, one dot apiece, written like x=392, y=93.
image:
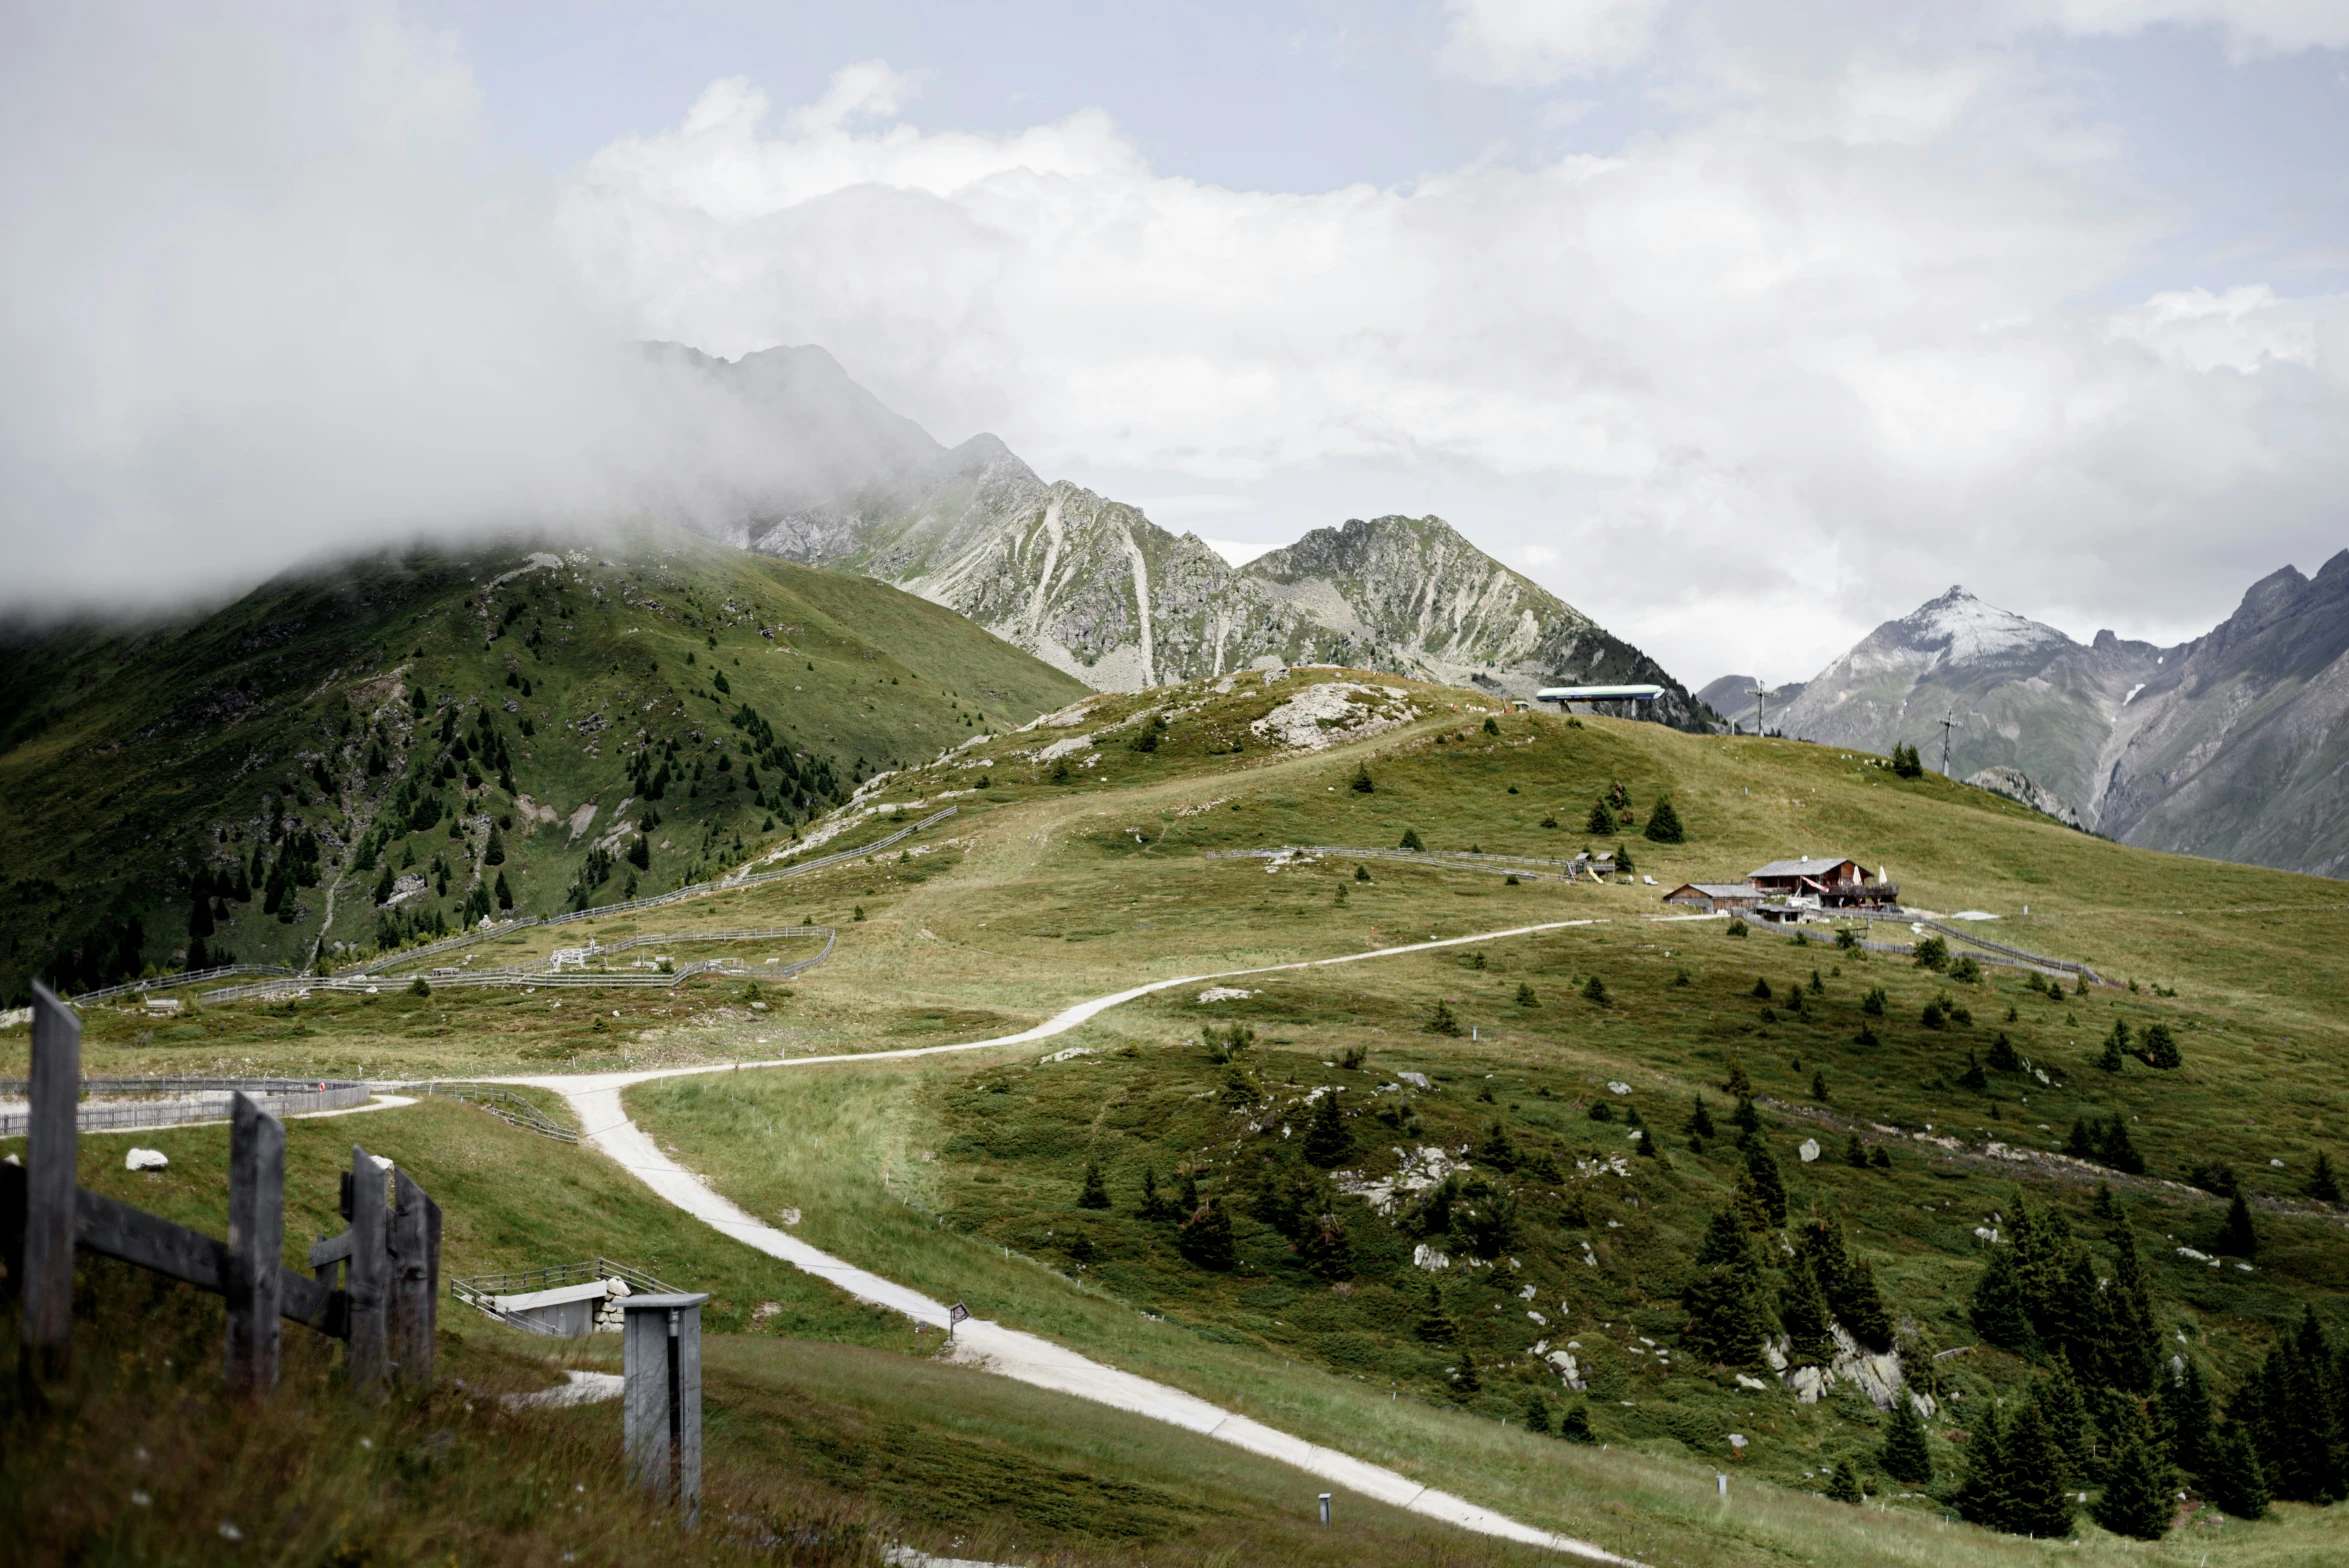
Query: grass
x=1041, y=893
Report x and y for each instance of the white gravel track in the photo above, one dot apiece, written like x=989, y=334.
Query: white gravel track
x=1029, y=1358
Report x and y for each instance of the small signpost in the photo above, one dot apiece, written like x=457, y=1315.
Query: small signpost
x=660, y=1358
x=385, y=1310
x=955, y=1314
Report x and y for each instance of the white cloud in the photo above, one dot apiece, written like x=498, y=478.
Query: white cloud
x=1537, y=42
x=2251, y=27
x=1823, y=351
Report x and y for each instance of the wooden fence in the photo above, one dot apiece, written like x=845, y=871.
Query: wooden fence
x=387, y=1262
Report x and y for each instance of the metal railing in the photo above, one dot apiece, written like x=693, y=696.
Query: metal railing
x=1522, y=867
x=482, y=1290
x=172, y=982
x=513, y=1109
x=171, y=1102
x=545, y=973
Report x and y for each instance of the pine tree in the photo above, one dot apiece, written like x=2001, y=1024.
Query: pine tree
x=1206, y=1238
x=1700, y=1120
x=2003, y=1057
x=1328, y=1140
x=2238, y=1239
x=1761, y=1191
x=1434, y=1325
x=1983, y=1497
x=1152, y=1204
x=2115, y=1044
x=505, y=892
x=1096, y=1193
x=1804, y=1314
x=2040, y=1506
x=1575, y=1426
x=1664, y=824
x=2232, y=1479
x=1411, y=840
x=1537, y=1414
x=2066, y=1416
x=1843, y=1483
x=2323, y=1185
x=1325, y=1248
x=1860, y=1308
x=1465, y=1380
x=1727, y=1321
x=2136, y=1498
x=1855, y=1153
x=1362, y=779
x=2161, y=1047
x=2132, y=1358
x=1602, y=819
x=1905, y=1456
x=494, y=853
x=1973, y=1077
x=2187, y=1416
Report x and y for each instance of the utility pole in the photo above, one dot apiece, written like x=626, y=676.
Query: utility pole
x=1761, y=696
x=1946, y=725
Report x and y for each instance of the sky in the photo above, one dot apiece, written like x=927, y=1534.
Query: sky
x=1742, y=327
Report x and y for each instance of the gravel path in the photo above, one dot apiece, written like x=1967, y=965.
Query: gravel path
x=1029, y=1358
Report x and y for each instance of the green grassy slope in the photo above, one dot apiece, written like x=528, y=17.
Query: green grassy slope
x=963, y=1175
x=390, y=715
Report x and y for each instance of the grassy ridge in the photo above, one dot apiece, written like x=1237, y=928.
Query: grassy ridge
x=131, y=757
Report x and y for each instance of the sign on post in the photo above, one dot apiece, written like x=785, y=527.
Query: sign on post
x=661, y=1397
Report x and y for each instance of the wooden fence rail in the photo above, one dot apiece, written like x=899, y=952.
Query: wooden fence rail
x=385, y=1307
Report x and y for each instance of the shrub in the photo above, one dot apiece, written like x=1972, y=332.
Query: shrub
x=1664, y=824
x=1362, y=783
x=1874, y=1002
x=1574, y=1426
x=2115, y=1044
x=1550, y=821
x=1843, y=1486
x=1737, y=927
x=1361, y=873
x=1352, y=1057
x=1411, y=840
x=1442, y=1020
x=1933, y=1017
x=1095, y=1194
x=1932, y=953
x=1966, y=971
x=1594, y=990
x=2323, y=1186
x=2237, y=1239
x=1973, y=1077
x=1328, y=1141
x=1762, y=989
x=1491, y=728
x=1906, y=764
x=417, y=987
x=1206, y=1238
x=2003, y=1056
x=1525, y=996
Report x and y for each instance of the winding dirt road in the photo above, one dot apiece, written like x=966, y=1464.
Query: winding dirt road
x=1010, y=1352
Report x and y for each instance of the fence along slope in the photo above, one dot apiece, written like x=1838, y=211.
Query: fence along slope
x=392, y=1250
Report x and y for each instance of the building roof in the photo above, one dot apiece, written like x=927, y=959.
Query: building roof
x=1715, y=890
x=1808, y=866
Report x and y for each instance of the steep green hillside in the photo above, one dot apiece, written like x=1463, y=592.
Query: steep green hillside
x=403, y=746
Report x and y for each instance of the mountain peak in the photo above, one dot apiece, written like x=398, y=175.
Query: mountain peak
x=1961, y=628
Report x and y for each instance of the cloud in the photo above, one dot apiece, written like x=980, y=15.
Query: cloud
x=1538, y=42
x=267, y=292
x=1811, y=356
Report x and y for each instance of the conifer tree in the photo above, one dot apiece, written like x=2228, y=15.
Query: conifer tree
x=2114, y=1044
x=2136, y=1498
x=2132, y=1358
x=494, y=853
x=1761, y=1190
x=1905, y=1456
x=1434, y=1325
x=1664, y=824
x=2161, y=1047
x=505, y=892
x=1095, y=1194
x=1727, y=1321
x=1973, y=1077
x=1700, y=1120
x=2066, y=1417
x=1328, y=1141
x=1804, y=1314
x=2323, y=1185
x=1537, y=1414
x=1575, y=1427
x=1983, y=1497
x=1411, y=840
x=2238, y=1239
x=1206, y=1238
x=1855, y=1153
x=1152, y=1204
x=2232, y=1479
x=2040, y=1506
x=2186, y=1415
x=2003, y=1057
x=1602, y=820
x=1843, y=1483
x=1860, y=1307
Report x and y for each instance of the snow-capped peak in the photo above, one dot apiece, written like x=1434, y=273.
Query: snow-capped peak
x=1962, y=629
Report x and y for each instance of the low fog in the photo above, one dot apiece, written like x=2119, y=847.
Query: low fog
x=268, y=296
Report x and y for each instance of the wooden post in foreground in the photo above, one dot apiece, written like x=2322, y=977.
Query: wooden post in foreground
x=256, y=1246
x=661, y=1399
x=414, y=1283
x=366, y=1278
x=52, y=1140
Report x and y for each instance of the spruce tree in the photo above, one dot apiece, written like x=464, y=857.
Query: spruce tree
x=1206, y=1238
x=1761, y=1190
x=2040, y=1506
x=1465, y=1380
x=1804, y=1314
x=2066, y=1416
x=2132, y=1359
x=1983, y=1498
x=1843, y=1483
x=2115, y=1043
x=1575, y=1426
x=2323, y=1185
x=2136, y=1498
x=1601, y=820
x=2161, y=1047
x=2187, y=1416
x=1152, y=1204
x=1411, y=840
x=2232, y=1479
x=2238, y=1239
x=494, y=853
x=1700, y=1120
x=1434, y=1325
x=1664, y=824
x=2003, y=1057
x=1095, y=1194
x=1328, y=1141
x=1537, y=1414
x=1905, y=1456
x=1727, y=1321
x=1860, y=1307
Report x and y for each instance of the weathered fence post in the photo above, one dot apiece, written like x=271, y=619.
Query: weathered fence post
x=414, y=1285
x=256, y=1246
x=51, y=1146
x=661, y=1399
x=365, y=1279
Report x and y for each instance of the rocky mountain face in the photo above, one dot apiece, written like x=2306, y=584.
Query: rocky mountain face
x=2235, y=745
x=1094, y=588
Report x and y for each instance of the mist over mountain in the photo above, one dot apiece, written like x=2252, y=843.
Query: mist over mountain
x=2233, y=745
x=1094, y=588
